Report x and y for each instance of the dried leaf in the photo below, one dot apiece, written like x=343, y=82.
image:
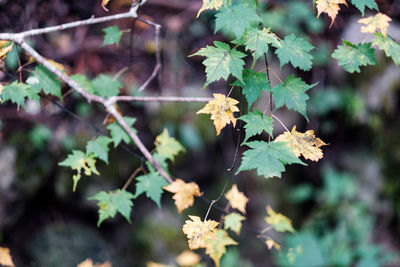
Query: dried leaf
x=184, y=193
x=215, y=247
x=210, y=4
x=221, y=109
x=305, y=144
x=198, y=231
x=272, y=244
x=330, y=7
x=278, y=221
x=89, y=263
x=378, y=22
x=5, y=257
x=5, y=47
x=237, y=199
x=188, y=258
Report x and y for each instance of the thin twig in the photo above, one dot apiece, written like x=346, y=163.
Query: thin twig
x=280, y=122
x=133, y=175
x=160, y=99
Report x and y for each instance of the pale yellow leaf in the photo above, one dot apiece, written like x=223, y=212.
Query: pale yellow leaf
x=210, y=4
x=305, y=144
x=272, y=244
x=155, y=264
x=188, y=258
x=215, y=247
x=221, y=109
x=58, y=66
x=278, y=221
x=5, y=47
x=89, y=263
x=184, y=193
x=198, y=231
x=378, y=22
x=330, y=7
x=237, y=199
x=5, y=257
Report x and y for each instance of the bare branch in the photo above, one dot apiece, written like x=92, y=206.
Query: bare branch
x=159, y=99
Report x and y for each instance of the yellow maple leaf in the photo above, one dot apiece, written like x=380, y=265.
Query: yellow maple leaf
x=378, y=22
x=330, y=7
x=5, y=47
x=221, y=109
x=215, y=247
x=188, y=258
x=272, y=244
x=89, y=263
x=210, y=4
x=305, y=144
x=155, y=264
x=184, y=193
x=237, y=199
x=198, y=231
x=278, y=221
x=5, y=257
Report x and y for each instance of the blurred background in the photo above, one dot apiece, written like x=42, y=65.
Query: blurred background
x=345, y=208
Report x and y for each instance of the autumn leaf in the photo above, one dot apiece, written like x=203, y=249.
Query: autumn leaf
x=305, y=144
x=215, y=246
x=156, y=264
x=233, y=221
x=184, y=193
x=378, y=22
x=198, y=231
x=210, y=4
x=221, y=109
x=272, y=244
x=237, y=199
x=5, y=257
x=167, y=146
x=330, y=7
x=188, y=258
x=278, y=221
x=104, y=3
x=5, y=47
x=89, y=263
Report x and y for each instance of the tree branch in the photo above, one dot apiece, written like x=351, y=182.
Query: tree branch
x=159, y=99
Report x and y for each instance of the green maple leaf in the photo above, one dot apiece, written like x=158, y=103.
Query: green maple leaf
x=215, y=247
x=99, y=147
x=292, y=94
x=112, y=35
x=80, y=161
x=151, y=184
x=256, y=123
x=15, y=92
x=361, y=4
x=391, y=48
x=295, y=50
x=83, y=82
x=167, y=146
x=161, y=160
x=351, y=56
x=47, y=81
x=236, y=18
x=118, y=134
x=258, y=41
x=268, y=159
x=253, y=84
x=221, y=61
x=233, y=221
x=112, y=202
x=106, y=86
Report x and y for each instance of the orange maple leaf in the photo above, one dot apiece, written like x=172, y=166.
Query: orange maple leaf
x=184, y=193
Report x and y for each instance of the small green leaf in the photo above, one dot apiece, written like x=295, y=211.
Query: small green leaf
x=233, y=221
x=99, y=147
x=391, y=48
x=15, y=92
x=296, y=51
x=152, y=185
x=258, y=41
x=47, y=81
x=256, y=123
x=221, y=61
x=112, y=35
x=84, y=82
x=268, y=159
x=167, y=146
x=112, y=202
x=106, y=86
x=292, y=94
x=351, y=56
x=118, y=134
x=254, y=84
x=361, y=4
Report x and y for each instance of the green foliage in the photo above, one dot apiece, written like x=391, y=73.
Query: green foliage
x=351, y=56
x=268, y=158
x=106, y=86
x=151, y=184
x=47, y=81
x=168, y=147
x=253, y=85
x=118, y=134
x=296, y=51
x=99, y=147
x=221, y=61
x=112, y=202
x=233, y=221
x=16, y=93
x=256, y=123
x=362, y=4
x=391, y=48
x=40, y=135
x=292, y=94
x=112, y=35
x=84, y=82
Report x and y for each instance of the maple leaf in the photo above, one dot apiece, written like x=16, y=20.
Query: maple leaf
x=99, y=147
x=106, y=86
x=278, y=221
x=198, y=231
x=351, y=56
x=151, y=184
x=296, y=51
x=89, y=263
x=256, y=123
x=272, y=244
x=118, y=133
x=112, y=35
x=253, y=85
x=112, y=202
x=5, y=257
x=215, y=246
x=233, y=221
x=305, y=144
x=210, y=4
x=237, y=199
x=15, y=92
x=330, y=7
x=184, y=193
x=361, y=4
x=268, y=158
x=221, y=61
x=391, y=48
x=188, y=258
x=47, y=81
x=5, y=47
x=83, y=82
x=156, y=264
x=379, y=21
x=221, y=109
x=167, y=146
